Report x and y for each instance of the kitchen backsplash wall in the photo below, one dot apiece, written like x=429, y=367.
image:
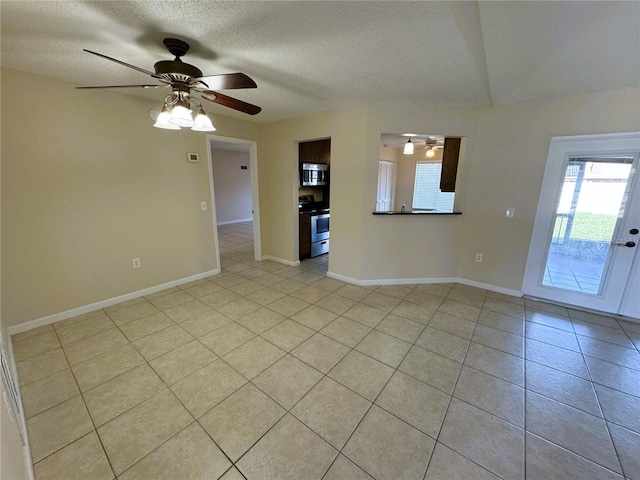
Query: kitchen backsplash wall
x=317, y=192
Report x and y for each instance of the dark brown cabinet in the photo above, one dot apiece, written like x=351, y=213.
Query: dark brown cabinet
x=305, y=235
x=450, y=156
x=317, y=151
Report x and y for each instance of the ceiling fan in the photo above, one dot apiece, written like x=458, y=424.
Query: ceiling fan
x=182, y=78
x=421, y=142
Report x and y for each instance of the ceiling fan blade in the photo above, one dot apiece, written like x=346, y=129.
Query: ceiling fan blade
x=123, y=63
x=230, y=102
x=122, y=86
x=224, y=81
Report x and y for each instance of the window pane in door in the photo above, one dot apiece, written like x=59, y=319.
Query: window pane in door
x=592, y=199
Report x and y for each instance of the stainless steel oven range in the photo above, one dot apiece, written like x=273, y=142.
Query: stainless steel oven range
x=319, y=234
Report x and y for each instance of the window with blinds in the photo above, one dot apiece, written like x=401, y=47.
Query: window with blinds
x=426, y=190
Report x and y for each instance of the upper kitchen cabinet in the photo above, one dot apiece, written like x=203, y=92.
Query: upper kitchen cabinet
x=317, y=151
x=449, y=172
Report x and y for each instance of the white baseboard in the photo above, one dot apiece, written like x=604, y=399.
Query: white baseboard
x=281, y=260
x=343, y=278
x=39, y=322
x=408, y=281
x=492, y=288
x=389, y=281
x=419, y=281
x=74, y=312
x=242, y=220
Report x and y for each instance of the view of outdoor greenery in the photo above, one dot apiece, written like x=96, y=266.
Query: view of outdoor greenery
x=595, y=227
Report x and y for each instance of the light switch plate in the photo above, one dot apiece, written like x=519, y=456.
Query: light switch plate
x=193, y=157
x=510, y=212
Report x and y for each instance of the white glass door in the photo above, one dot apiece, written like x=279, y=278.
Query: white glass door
x=587, y=226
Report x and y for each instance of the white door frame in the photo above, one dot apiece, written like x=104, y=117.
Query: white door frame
x=560, y=147
x=255, y=193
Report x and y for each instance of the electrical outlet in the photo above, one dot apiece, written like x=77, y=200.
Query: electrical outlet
x=136, y=263
x=203, y=205
x=479, y=257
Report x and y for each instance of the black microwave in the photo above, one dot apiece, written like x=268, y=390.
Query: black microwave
x=314, y=174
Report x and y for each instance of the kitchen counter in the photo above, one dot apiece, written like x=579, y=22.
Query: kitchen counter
x=418, y=212
x=317, y=211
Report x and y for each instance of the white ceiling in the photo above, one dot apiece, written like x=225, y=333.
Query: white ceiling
x=309, y=56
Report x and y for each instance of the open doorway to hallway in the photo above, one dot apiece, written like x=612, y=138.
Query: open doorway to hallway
x=234, y=188
x=236, y=258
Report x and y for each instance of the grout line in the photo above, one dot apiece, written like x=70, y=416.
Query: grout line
x=606, y=424
x=453, y=391
x=373, y=403
x=351, y=349
x=95, y=429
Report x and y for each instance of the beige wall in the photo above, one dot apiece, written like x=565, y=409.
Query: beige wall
x=84, y=194
x=87, y=185
x=507, y=168
x=232, y=185
x=406, y=246
x=278, y=173
x=501, y=166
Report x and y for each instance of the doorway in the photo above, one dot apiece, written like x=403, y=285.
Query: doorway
x=215, y=142
x=384, y=200
x=587, y=226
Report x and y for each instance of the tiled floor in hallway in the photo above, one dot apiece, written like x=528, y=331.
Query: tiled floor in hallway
x=274, y=372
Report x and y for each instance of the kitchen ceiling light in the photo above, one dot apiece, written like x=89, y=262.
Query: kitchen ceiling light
x=177, y=113
x=408, y=148
x=430, y=152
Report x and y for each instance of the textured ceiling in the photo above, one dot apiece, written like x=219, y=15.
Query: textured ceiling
x=312, y=56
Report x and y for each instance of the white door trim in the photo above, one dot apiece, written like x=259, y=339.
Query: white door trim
x=605, y=143
x=255, y=192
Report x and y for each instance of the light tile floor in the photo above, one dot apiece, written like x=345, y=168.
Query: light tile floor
x=273, y=372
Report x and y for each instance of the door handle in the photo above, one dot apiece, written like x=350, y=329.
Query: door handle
x=629, y=244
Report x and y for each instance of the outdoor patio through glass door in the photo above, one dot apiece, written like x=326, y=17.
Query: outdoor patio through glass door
x=587, y=228
x=593, y=197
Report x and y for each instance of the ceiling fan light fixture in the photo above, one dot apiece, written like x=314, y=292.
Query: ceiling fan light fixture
x=163, y=120
x=183, y=78
x=202, y=122
x=181, y=114
x=408, y=148
x=431, y=152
